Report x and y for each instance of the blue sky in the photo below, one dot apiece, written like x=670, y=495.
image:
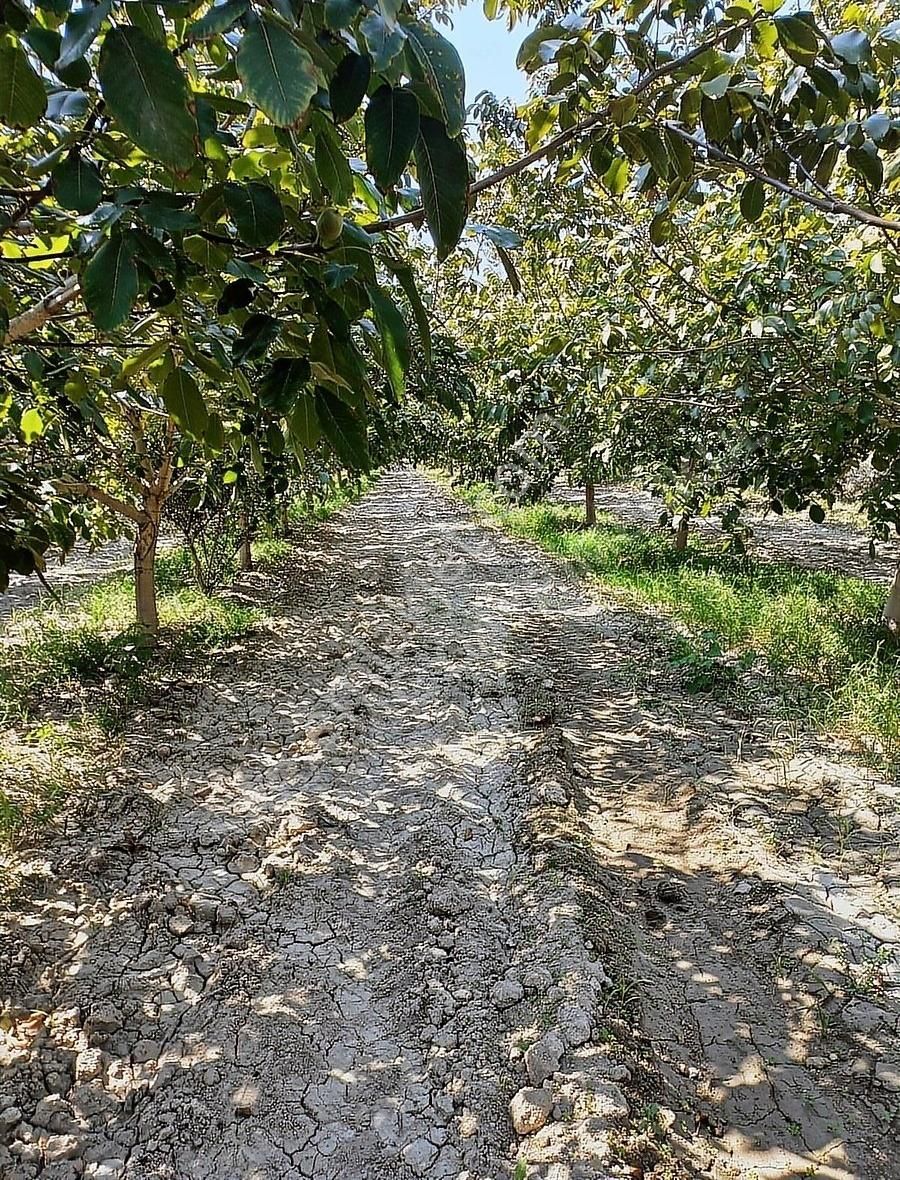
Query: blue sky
x=489, y=53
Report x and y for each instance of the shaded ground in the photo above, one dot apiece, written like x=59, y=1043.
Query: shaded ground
x=833, y=546
x=437, y=836
x=81, y=568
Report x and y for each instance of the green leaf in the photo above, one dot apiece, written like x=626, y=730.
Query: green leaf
x=184, y=402
x=443, y=172
x=284, y=382
x=827, y=164
x=852, y=46
x=205, y=253
x=344, y=430
x=278, y=75
x=146, y=16
x=877, y=126
x=109, y=284
x=680, y=154
x=655, y=150
x=405, y=277
x=435, y=62
x=206, y=364
x=348, y=86
x=716, y=87
x=382, y=40
x=256, y=210
x=139, y=361
x=303, y=424
x=392, y=127
x=797, y=38
x=817, y=513
x=81, y=29
x=512, y=274
x=497, y=235
x=394, y=338
x=616, y=176
x=23, y=99
x=45, y=43
x=529, y=49
x=147, y=95
x=661, y=228
x=331, y=164
x=31, y=425
x=217, y=20
x=215, y=434
x=717, y=117
x=77, y=184
x=341, y=13
x=867, y=163
x=257, y=333
x=753, y=200
x=355, y=249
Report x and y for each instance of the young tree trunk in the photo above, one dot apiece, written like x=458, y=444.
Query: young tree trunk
x=145, y=570
x=245, y=553
x=890, y=616
x=590, y=505
x=681, y=534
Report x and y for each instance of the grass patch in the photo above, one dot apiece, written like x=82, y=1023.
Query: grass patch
x=270, y=550
x=817, y=635
x=71, y=672
x=335, y=498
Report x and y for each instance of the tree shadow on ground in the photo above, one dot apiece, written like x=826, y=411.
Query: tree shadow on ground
x=755, y=956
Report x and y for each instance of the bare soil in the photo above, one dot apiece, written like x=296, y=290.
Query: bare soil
x=445, y=837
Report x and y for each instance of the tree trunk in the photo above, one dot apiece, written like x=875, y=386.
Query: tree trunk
x=681, y=534
x=245, y=553
x=145, y=571
x=890, y=616
x=590, y=506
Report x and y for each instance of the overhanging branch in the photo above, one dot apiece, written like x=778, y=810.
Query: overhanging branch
x=562, y=138
x=35, y=317
x=825, y=201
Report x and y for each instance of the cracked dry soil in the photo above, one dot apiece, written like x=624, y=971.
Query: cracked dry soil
x=419, y=886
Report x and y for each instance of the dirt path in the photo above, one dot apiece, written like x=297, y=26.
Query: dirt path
x=421, y=850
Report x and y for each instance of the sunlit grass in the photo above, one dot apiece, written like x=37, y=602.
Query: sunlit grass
x=803, y=628
x=71, y=672
x=335, y=498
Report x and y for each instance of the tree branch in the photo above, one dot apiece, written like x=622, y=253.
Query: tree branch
x=35, y=317
x=827, y=204
x=69, y=487
x=560, y=140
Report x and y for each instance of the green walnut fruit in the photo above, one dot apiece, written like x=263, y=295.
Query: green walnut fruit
x=76, y=389
x=328, y=227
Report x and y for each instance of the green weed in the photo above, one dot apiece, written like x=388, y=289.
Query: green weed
x=71, y=672
x=815, y=634
x=336, y=498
